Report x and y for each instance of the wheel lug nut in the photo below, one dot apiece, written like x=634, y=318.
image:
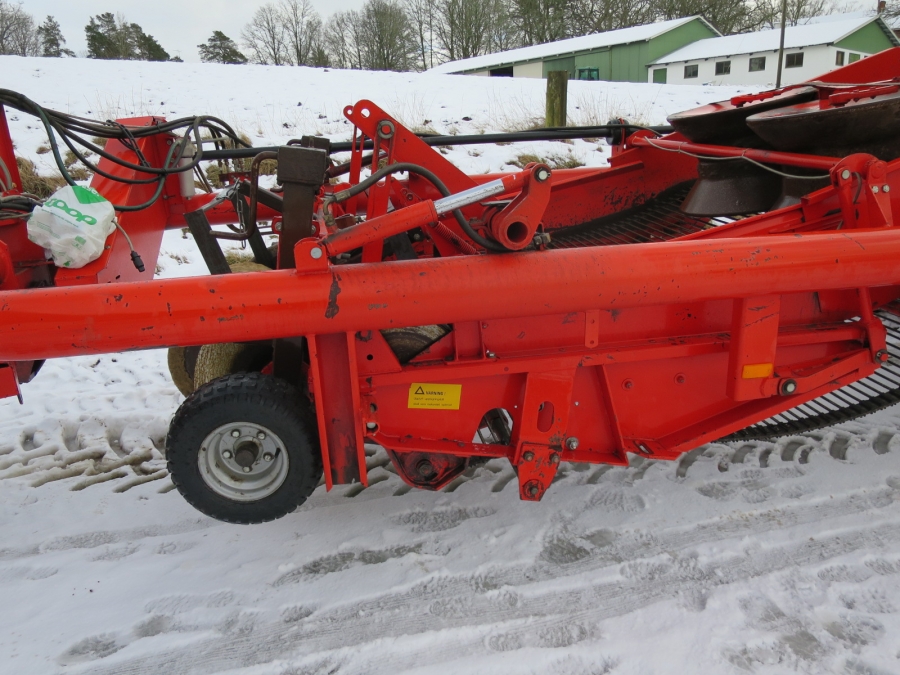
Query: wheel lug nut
x=247, y=469
x=227, y=454
x=261, y=435
x=235, y=434
x=268, y=456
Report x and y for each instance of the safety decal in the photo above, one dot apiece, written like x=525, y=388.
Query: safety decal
x=426, y=396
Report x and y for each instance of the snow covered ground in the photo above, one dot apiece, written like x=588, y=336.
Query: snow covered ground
x=740, y=558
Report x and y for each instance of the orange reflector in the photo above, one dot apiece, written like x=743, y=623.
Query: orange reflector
x=756, y=370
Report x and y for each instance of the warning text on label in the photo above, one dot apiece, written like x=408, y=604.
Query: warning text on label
x=427, y=396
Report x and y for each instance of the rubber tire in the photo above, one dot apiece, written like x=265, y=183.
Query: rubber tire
x=255, y=398
x=178, y=371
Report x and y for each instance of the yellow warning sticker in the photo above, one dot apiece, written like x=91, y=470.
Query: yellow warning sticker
x=427, y=396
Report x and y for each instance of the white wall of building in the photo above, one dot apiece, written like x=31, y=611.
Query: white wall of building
x=534, y=69
x=816, y=61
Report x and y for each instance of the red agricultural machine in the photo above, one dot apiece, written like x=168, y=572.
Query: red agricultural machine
x=736, y=278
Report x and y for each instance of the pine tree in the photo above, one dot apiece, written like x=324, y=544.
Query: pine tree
x=220, y=49
x=145, y=47
x=112, y=37
x=52, y=39
x=104, y=38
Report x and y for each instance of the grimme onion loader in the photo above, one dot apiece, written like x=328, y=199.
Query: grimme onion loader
x=735, y=277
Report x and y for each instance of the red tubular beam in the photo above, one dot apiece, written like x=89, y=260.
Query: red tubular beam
x=43, y=323
x=382, y=227
x=766, y=156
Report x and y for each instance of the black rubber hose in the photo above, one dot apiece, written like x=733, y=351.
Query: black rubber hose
x=364, y=185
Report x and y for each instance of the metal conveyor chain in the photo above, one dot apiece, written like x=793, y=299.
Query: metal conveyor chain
x=658, y=219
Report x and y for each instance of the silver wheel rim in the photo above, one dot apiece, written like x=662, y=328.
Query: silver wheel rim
x=243, y=462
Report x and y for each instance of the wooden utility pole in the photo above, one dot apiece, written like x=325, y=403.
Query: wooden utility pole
x=781, y=44
x=557, y=89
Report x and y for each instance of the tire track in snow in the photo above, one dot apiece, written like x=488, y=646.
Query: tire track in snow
x=101, y=538
x=508, y=609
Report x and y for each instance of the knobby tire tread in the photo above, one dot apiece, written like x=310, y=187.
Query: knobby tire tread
x=241, y=390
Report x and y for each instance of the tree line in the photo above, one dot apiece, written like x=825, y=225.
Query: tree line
x=400, y=35
x=109, y=36
x=419, y=34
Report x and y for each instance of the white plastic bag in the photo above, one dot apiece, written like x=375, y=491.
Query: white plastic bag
x=73, y=224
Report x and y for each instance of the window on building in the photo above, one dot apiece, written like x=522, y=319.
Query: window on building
x=659, y=75
x=839, y=59
x=757, y=63
x=588, y=73
x=690, y=71
x=502, y=72
x=853, y=58
x=723, y=67
x=793, y=60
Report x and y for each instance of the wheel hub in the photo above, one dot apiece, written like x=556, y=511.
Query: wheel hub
x=243, y=461
x=246, y=453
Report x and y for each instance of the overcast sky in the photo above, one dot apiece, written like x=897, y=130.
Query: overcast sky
x=178, y=25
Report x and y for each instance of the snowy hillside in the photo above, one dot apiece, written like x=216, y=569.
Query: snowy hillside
x=743, y=558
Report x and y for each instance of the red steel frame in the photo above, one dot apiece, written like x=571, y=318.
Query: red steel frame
x=591, y=352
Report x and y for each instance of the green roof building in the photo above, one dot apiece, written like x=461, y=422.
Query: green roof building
x=616, y=56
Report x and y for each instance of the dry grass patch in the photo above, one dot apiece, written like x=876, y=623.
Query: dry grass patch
x=555, y=160
x=236, y=255
x=35, y=183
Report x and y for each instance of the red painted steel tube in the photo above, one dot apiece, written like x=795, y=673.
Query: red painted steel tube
x=380, y=227
x=43, y=323
x=767, y=156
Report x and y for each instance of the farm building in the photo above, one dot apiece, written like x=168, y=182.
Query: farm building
x=817, y=47
x=616, y=55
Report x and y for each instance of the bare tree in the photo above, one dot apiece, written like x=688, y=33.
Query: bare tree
x=377, y=37
x=594, y=16
x=769, y=11
x=303, y=31
x=462, y=26
x=265, y=36
x=503, y=34
x=387, y=36
x=18, y=31
x=342, y=39
x=729, y=16
x=421, y=20
x=540, y=21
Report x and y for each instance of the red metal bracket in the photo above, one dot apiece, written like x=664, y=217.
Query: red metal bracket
x=738, y=101
x=844, y=97
x=863, y=188
x=754, y=337
x=515, y=225
x=536, y=470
